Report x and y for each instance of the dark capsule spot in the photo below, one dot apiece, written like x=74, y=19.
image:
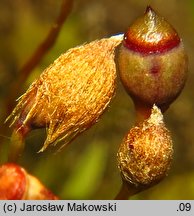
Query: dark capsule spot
x=155, y=68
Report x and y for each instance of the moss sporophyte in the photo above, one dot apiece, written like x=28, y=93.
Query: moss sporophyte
x=73, y=92
x=152, y=62
x=70, y=95
x=145, y=154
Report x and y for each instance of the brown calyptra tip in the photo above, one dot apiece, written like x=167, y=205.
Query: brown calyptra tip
x=151, y=33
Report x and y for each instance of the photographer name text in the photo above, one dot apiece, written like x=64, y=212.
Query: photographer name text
x=67, y=207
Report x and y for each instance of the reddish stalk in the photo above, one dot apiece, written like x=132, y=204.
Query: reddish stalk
x=126, y=191
x=35, y=59
x=39, y=53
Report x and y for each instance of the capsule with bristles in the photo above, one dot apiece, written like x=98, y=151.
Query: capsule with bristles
x=145, y=155
x=71, y=94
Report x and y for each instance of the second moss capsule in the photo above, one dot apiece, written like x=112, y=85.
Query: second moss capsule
x=152, y=61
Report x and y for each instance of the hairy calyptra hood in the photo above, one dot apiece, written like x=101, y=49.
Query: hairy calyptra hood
x=71, y=94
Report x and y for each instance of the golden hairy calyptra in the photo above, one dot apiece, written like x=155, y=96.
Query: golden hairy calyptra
x=72, y=93
x=145, y=155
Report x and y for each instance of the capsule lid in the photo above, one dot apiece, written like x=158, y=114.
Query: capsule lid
x=151, y=33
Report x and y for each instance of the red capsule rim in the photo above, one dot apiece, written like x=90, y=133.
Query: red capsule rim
x=151, y=33
x=150, y=48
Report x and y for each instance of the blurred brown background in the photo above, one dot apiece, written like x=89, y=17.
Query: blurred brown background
x=87, y=168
